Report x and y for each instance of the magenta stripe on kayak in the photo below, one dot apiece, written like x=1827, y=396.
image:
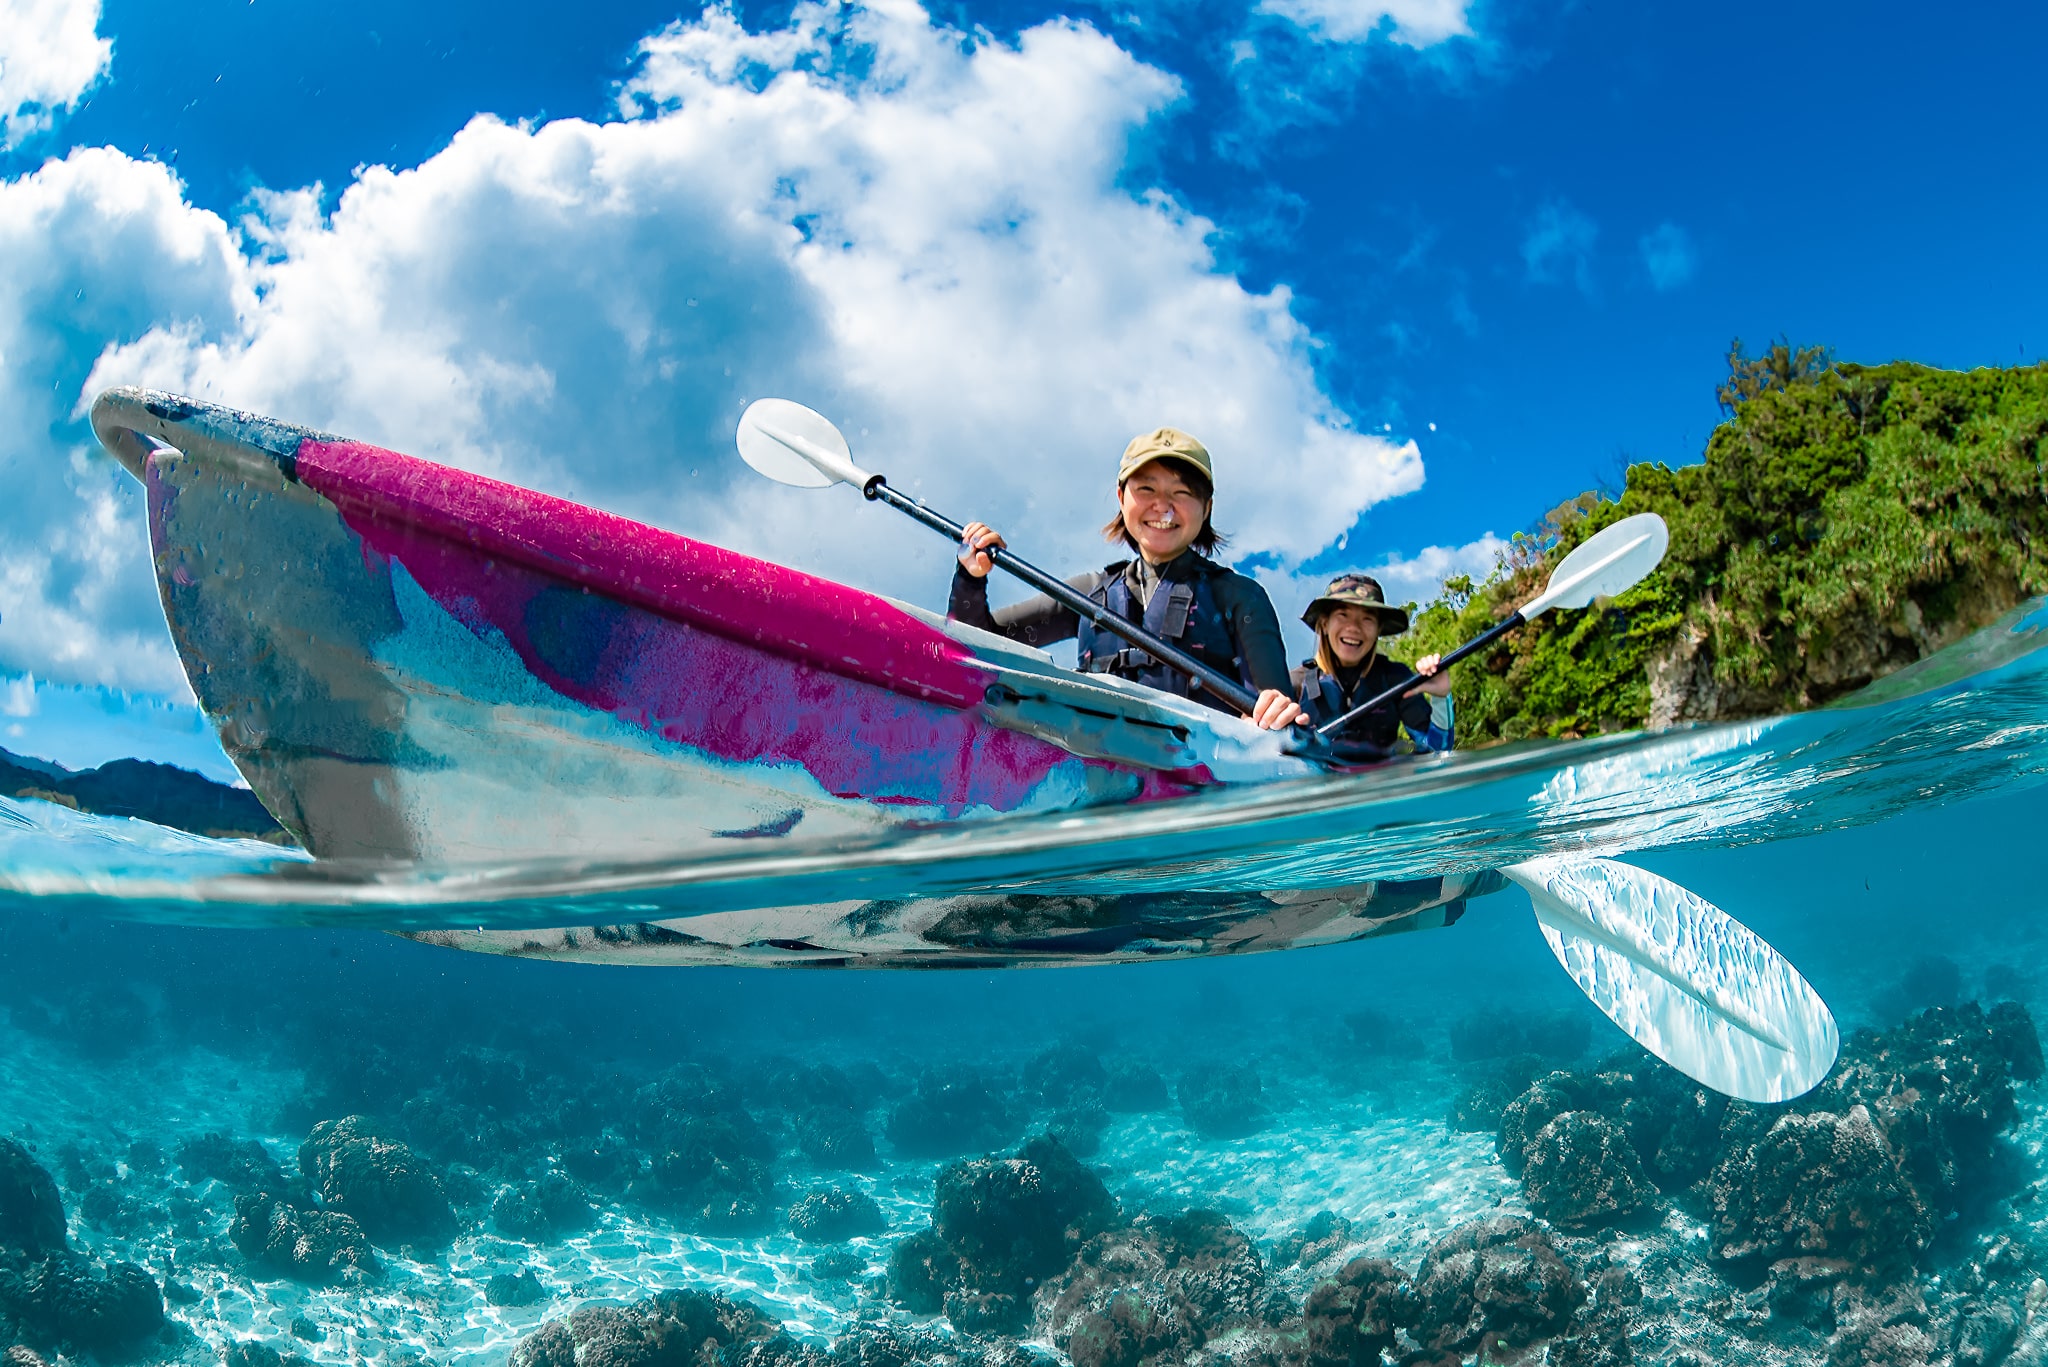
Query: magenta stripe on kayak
x=702, y=689
x=798, y=616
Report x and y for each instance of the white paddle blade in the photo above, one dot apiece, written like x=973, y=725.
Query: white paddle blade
x=795, y=445
x=1687, y=981
x=1612, y=560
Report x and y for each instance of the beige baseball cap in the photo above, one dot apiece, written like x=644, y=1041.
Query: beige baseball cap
x=1166, y=443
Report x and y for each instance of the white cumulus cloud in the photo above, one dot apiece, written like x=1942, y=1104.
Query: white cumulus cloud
x=1416, y=578
x=929, y=235
x=51, y=53
x=924, y=233
x=1420, y=577
x=98, y=249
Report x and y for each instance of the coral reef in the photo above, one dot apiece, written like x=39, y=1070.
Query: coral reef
x=52, y=1298
x=1159, y=1286
x=317, y=1247
x=71, y=1302
x=31, y=1211
x=1499, y=1283
x=543, y=1210
x=1868, y=1166
x=1581, y=1171
x=1353, y=1320
x=1891, y=1216
x=379, y=1183
x=709, y=1156
x=682, y=1328
x=1829, y=1207
x=514, y=1288
x=999, y=1226
x=1325, y=1235
x=830, y=1217
x=239, y=1165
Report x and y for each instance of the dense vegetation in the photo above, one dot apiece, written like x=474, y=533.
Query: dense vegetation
x=1847, y=520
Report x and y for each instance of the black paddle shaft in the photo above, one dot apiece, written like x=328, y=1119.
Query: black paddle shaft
x=1477, y=643
x=877, y=488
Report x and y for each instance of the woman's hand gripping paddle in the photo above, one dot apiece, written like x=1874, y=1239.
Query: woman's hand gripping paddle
x=1688, y=982
x=792, y=444
x=1609, y=562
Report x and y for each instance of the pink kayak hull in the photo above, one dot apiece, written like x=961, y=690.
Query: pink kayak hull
x=409, y=661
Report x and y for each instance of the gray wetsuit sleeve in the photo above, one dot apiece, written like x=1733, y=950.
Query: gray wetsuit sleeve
x=1038, y=621
x=1256, y=628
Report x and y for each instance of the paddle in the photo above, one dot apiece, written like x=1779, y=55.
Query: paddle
x=793, y=445
x=1611, y=560
x=1688, y=982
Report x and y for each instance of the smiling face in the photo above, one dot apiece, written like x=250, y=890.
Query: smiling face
x=1162, y=511
x=1351, y=633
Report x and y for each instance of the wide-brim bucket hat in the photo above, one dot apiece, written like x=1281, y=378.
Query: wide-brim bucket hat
x=1357, y=591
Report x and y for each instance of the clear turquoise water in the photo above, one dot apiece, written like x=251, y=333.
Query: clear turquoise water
x=1968, y=722
x=160, y=987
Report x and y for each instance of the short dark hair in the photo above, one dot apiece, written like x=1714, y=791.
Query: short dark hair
x=1206, y=541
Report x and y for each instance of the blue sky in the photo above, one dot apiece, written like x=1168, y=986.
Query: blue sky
x=992, y=239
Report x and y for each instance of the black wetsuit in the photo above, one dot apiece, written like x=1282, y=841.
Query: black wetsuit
x=1217, y=615
x=1325, y=697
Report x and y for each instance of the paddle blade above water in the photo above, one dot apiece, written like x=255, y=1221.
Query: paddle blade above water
x=1611, y=561
x=1688, y=982
x=773, y=435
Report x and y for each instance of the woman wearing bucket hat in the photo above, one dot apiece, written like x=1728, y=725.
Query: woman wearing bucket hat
x=1165, y=490
x=1350, y=620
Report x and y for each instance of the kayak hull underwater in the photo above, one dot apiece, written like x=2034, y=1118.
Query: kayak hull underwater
x=1001, y=931
x=411, y=662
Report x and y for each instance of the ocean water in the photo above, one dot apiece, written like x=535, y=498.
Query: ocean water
x=182, y=1017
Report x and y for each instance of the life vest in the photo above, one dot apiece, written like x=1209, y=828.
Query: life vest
x=1322, y=697
x=1183, y=612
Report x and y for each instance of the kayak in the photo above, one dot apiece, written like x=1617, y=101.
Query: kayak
x=506, y=723
x=411, y=662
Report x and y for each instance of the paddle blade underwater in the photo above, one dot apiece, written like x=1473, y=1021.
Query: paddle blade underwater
x=1688, y=982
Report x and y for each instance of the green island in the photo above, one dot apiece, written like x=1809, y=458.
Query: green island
x=1847, y=520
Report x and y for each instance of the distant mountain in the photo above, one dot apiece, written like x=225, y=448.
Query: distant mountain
x=40, y=766
x=162, y=793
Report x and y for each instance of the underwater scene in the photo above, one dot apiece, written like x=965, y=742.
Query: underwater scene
x=1409, y=1138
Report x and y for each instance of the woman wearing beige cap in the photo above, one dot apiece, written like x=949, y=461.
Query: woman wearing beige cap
x=1165, y=491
